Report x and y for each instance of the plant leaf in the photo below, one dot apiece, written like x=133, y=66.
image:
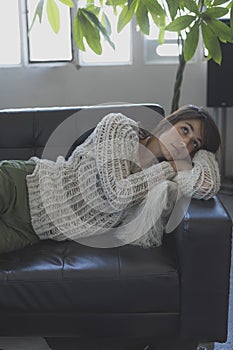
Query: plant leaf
x=91, y=33
x=211, y=43
x=78, y=33
x=106, y=23
x=220, y=29
x=142, y=18
x=191, y=6
x=215, y=12
x=160, y=21
x=191, y=42
x=218, y=2
x=38, y=12
x=53, y=15
x=154, y=7
x=181, y=4
x=97, y=24
x=180, y=23
x=93, y=8
x=229, y=5
x=67, y=3
x=116, y=2
x=158, y=14
x=173, y=6
x=129, y=3
x=126, y=15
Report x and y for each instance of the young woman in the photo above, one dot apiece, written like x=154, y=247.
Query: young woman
x=119, y=167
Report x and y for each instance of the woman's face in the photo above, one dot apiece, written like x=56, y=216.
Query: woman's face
x=182, y=139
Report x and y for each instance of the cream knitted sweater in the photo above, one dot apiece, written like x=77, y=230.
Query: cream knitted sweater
x=92, y=191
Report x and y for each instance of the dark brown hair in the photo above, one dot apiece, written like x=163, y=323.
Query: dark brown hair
x=211, y=137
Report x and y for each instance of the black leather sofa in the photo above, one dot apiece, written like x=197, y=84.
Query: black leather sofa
x=171, y=297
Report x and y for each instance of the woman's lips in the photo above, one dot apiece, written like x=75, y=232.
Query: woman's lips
x=175, y=148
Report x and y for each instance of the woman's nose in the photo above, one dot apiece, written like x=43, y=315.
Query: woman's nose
x=183, y=143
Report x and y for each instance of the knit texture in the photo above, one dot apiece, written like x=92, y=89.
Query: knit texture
x=88, y=194
x=203, y=180
x=200, y=182
x=102, y=191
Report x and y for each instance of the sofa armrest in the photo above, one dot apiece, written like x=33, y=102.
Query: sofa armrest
x=203, y=241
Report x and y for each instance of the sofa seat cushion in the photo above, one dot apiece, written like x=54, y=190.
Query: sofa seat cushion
x=71, y=277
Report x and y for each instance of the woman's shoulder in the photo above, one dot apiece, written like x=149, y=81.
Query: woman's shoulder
x=116, y=119
x=116, y=126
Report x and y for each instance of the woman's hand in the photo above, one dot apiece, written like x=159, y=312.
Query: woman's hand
x=204, y=182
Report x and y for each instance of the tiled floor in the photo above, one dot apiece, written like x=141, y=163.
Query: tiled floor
x=30, y=343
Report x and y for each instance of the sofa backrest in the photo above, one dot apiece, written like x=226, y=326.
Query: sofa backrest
x=49, y=132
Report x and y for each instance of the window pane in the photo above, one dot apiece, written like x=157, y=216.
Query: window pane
x=167, y=50
x=156, y=53
x=122, y=41
x=9, y=32
x=44, y=44
x=154, y=32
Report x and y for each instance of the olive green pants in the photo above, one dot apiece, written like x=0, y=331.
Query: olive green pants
x=15, y=224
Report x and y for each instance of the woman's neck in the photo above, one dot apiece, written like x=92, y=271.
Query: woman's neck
x=152, y=144
x=149, y=151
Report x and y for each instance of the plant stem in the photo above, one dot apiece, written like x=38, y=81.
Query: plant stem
x=179, y=76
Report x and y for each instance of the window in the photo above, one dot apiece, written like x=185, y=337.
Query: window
x=156, y=53
x=43, y=44
x=122, y=41
x=168, y=52
x=9, y=33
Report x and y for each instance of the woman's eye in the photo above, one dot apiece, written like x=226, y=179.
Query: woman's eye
x=185, y=130
x=195, y=144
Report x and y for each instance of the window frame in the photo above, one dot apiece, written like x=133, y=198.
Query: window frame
x=114, y=63
x=138, y=48
x=44, y=63
x=16, y=65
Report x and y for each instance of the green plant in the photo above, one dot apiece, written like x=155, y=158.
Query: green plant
x=188, y=18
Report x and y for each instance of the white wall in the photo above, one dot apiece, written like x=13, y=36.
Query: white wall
x=67, y=85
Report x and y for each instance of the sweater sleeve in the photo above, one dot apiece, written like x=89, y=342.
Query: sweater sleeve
x=203, y=180
x=116, y=145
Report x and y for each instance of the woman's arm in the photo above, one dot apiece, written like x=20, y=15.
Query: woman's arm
x=116, y=146
x=203, y=180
